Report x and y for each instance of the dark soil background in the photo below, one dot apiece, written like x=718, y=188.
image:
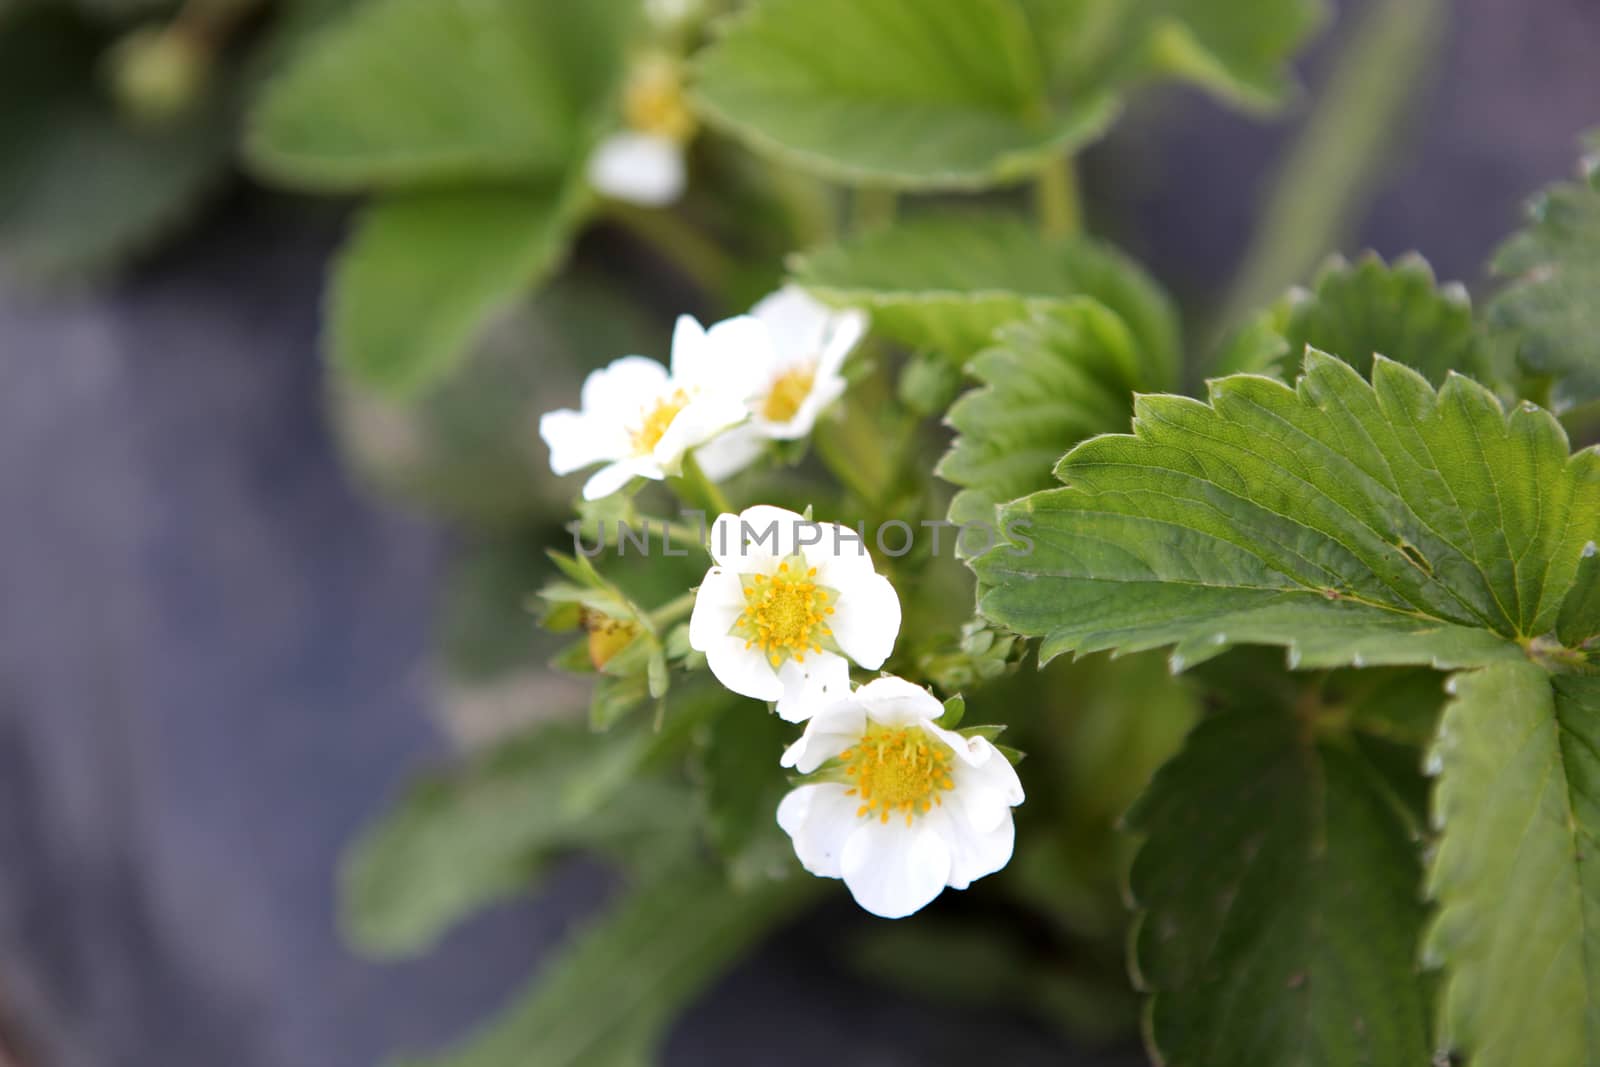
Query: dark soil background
x=213, y=646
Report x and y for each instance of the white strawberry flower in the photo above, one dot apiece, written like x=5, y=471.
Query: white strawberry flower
x=640, y=420
x=903, y=807
x=810, y=342
x=644, y=162
x=787, y=601
x=669, y=14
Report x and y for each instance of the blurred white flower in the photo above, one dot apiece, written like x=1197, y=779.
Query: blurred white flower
x=810, y=342
x=640, y=168
x=644, y=162
x=910, y=808
x=786, y=602
x=668, y=14
x=640, y=420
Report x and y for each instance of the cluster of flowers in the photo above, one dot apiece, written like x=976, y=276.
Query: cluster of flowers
x=891, y=802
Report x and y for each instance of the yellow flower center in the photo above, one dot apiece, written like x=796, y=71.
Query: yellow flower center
x=653, y=422
x=653, y=101
x=897, y=768
x=785, y=613
x=789, y=390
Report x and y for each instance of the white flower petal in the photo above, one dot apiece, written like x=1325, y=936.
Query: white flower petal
x=831, y=730
x=739, y=357
x=986, y=793
x=717, y=604
x=810, y=686
x=845, y=331
x=639, y=168
x=623, y=388
x=666, y=14
x=894, y=701
x=699, y=421
x=819, y=819
x=972, y=854
x=754, y=540
x=840, y=555
x=688, y=347
x=893, y=869
x=866, y=620
x=614, y=476
x=973, y=751
x=797, y=321
x=729, y=453
x=577, y=440
x=743, y=670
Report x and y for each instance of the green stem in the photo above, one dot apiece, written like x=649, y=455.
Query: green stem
x=673, y=610
x=843, y=466
x=1332, y=171
x=1057, y=199
x=701, y=258
x=809, y=204
x=696, y=490
x=872, y=208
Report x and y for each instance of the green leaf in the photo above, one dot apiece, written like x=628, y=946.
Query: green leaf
x=1518, y=926
x=1049, y=381
x=947, y=281
x=465, y=449
x=1238, y=51
x=742, y=785
x=916, y=94
x=408, y=92
x=423, y=272
x=1366, y=309
x=1580, y=612
x=462, y=840
x=609, y=997
x=614, y=697
x=1353, y=523
x=1370, y=308
x=82, y=188
x=1548, y=309
x=1277, y=888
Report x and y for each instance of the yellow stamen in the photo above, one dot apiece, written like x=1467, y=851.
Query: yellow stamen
x=653, y=422
x=789, y=390
x=898, y=768
x=783, y=614
x=653, y=101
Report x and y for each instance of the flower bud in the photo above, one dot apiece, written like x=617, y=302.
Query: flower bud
x=607, y=636
x=157, y=75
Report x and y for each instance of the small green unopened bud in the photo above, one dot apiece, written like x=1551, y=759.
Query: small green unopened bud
x=157, y=75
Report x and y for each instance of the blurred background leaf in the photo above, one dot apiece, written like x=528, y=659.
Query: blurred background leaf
x=1553, y=270
x=422, y=273
x=1370, y=307
x=915, y=94
x=608, y=998
x=469, y=449
x=404, y=93
x=947, y=281
x=82, y=186
x=486, y=830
